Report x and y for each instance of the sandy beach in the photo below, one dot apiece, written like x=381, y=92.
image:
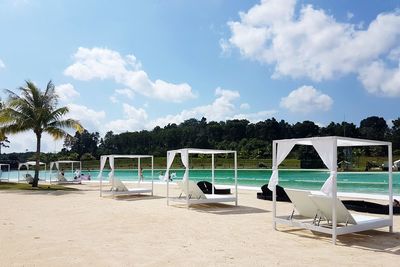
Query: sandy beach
x=79, y=228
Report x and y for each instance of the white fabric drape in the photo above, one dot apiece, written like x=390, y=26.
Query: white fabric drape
x=325, y=151
x=185, y=162
x=103, y=160
x=51, y=166
x=170, y=160
x=282, y=150
x=111, y=174
x=57, y=166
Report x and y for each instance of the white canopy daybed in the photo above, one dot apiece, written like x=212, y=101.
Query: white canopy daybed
x=206, y=198
x=117, y=187
x=326, y=148
x=31, y=163
x=1, y=172
x=56, y=165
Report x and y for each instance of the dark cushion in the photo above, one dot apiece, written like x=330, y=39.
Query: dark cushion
x=267, y=194
x=206, y=187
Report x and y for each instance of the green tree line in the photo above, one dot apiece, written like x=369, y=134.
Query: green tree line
x=251, y=140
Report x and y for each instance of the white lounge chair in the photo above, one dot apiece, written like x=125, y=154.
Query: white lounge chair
x=196, y=196
x=62, y=180
x=302, y=203
x=119, y=188
x=29, y=178
x=343, y=216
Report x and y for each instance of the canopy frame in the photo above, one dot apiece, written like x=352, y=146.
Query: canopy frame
x=185, y=153
x=8, y=172
x=56, y=164
x=110, y=158
x=328, y=147
x=31, y=163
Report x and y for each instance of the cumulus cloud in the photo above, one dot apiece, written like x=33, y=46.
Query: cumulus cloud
x=379, y=79
x=102, y=63
x=66, y=91
x=222, y=108
x=89, y=118
x=312, y=43
x=2, y=65
x=257, y=116
x=134, y=119
x=306, y=99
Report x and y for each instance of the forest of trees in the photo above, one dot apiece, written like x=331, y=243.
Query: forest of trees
x=251, y=140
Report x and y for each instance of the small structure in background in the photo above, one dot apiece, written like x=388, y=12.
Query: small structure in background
x=27, y=165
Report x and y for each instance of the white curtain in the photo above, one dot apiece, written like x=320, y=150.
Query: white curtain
x=51, y=166
x=325, y=150
x=103, y=160
x=111, y=174
x=185, y=162
x=282, y=150
x=170, y=160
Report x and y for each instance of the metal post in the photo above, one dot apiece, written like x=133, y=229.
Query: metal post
x=187, y=179
x=152, y=175
x=390, y=163
x=166, y=175
x=274, y=145
x=138, y=169
x=212, y=173
x=334, y=191
x=236, y=189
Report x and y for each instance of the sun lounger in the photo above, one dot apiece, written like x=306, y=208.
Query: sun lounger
x=343, y=216
x=305, y=207
x=207, y=188
x=29, y=178
x=62, y=180
x=119, y=188
x=196, y=196
x=266, y=194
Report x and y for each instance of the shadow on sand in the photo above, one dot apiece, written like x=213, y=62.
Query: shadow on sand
x=223, y=209
x=371, y=240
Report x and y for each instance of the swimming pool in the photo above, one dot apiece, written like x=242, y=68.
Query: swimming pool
x=365, y=182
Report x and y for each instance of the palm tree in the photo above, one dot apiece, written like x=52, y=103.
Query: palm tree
x=36, y=110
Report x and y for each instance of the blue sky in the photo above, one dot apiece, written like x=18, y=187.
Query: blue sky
x=132, y=65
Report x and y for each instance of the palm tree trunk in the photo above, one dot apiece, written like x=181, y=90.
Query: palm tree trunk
x=37, y=158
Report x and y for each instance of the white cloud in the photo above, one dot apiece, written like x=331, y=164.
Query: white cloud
x=66, y=92
x=306, y=99
x=312, y=43
x=125, y=92
x=134, y=119
x=89, y=118
x=221, y=109
x=26, y=141
x=245, y=106
x=113, y=99
x=102, y=63
x=379, y=79
x=2, y=65
x=257, y=116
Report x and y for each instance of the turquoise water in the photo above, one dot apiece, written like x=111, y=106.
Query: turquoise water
x=368, y=182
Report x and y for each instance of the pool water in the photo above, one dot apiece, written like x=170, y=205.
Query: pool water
x=366, y=182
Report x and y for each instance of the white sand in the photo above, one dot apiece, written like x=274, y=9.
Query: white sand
x=81, y=229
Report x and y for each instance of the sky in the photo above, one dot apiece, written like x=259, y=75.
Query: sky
x=133, y=65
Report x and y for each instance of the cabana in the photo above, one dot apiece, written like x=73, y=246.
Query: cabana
x=326, y=148
x=1, y=172
x=189, y=188
x=56, y=165
x=117, y=187
x=31, y=163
